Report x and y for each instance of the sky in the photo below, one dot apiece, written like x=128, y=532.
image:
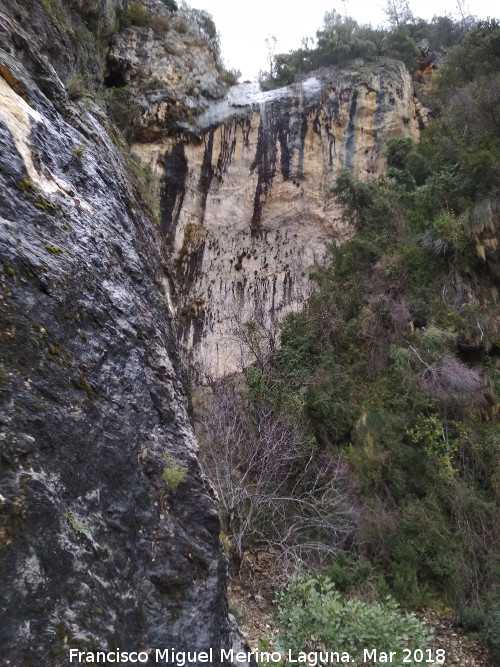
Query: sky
x=244, y=26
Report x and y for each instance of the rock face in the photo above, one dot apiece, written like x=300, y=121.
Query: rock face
x=245, y=206
x=109, y=535
x=173, y=73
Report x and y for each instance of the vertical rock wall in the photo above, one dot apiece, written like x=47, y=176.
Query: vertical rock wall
x=245, y=207
x=109, y=534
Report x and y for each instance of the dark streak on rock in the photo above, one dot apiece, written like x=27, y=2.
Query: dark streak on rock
x=265, y=164
x=206, y=175
x=350, y=134
x=175, y=165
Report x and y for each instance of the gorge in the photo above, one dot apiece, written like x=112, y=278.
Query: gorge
x=128, y=257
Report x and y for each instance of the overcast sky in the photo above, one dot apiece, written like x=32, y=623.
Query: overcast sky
x=243, y=26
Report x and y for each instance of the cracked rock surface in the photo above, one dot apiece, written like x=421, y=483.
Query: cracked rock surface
x=109, y=534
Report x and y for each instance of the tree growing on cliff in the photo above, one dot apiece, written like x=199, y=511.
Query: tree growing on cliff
x=341, y=39
x=400, y=44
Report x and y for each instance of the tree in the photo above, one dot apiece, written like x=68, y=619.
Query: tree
x=341, y=39
x=271, y=42
x=400, y=44
x=274, y=487
x=207, y=28
x=397, y=150
x=398, y=13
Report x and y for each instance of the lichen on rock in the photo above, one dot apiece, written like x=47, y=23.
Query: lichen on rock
x=96, y=552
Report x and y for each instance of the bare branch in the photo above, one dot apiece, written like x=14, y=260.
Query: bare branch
x=273, y=486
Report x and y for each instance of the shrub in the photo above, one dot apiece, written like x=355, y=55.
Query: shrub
x=347, y=572
x=229, y=76
x=399, y=44
x=492, y=633
x=273, y=485
x=171, y=5
x=181, y=27
x=172, y=473
x=403, y=178
x=149, y=185
x=123, y=114
x=160, y=25
x=79, y=151
x=416, y=165
x=76, y=87
x=472, y=619
x=312, y=615
x=397, y=151
x=138, y=14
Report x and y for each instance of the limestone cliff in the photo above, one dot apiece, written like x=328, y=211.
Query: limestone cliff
x=109, y=535
x=173, y=69
x=245, y=206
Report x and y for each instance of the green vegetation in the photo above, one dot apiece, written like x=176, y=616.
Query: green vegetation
x=172, y=474
x=229, y=76
x=137, y=14
x=85, y=386
x=171, y=5
x=25, y=185
x=394, y=367
x=181, y=27
x=79, y=151
x=123, y=113
x=341, y=39
x=207, y=29
x=76, y=87
x=313, y=614
x=77, y=526
x=53, y=9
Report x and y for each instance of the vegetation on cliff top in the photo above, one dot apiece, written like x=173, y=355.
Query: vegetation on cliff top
x=342, y=39
x=393, y=369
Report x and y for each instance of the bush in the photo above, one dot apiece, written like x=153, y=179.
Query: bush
x=312, y=615
x=403, y=178
x=123, y=114
x=399, y=44
x=370, y=206
x=149, y=185
x=492, y=633
x=181, y=27
x=273, y=484
x=472, y=619
x=172, y=473
x=349, y=573
x=160, y=24
x=138, y=14
x=397, y=150
x=416, y=165
x=76, y=87
x=229, y=76
x=171, y=5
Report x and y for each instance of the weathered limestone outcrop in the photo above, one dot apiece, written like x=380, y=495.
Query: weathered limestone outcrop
x=109, y=535
x=245, y=206
x=173, y=74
